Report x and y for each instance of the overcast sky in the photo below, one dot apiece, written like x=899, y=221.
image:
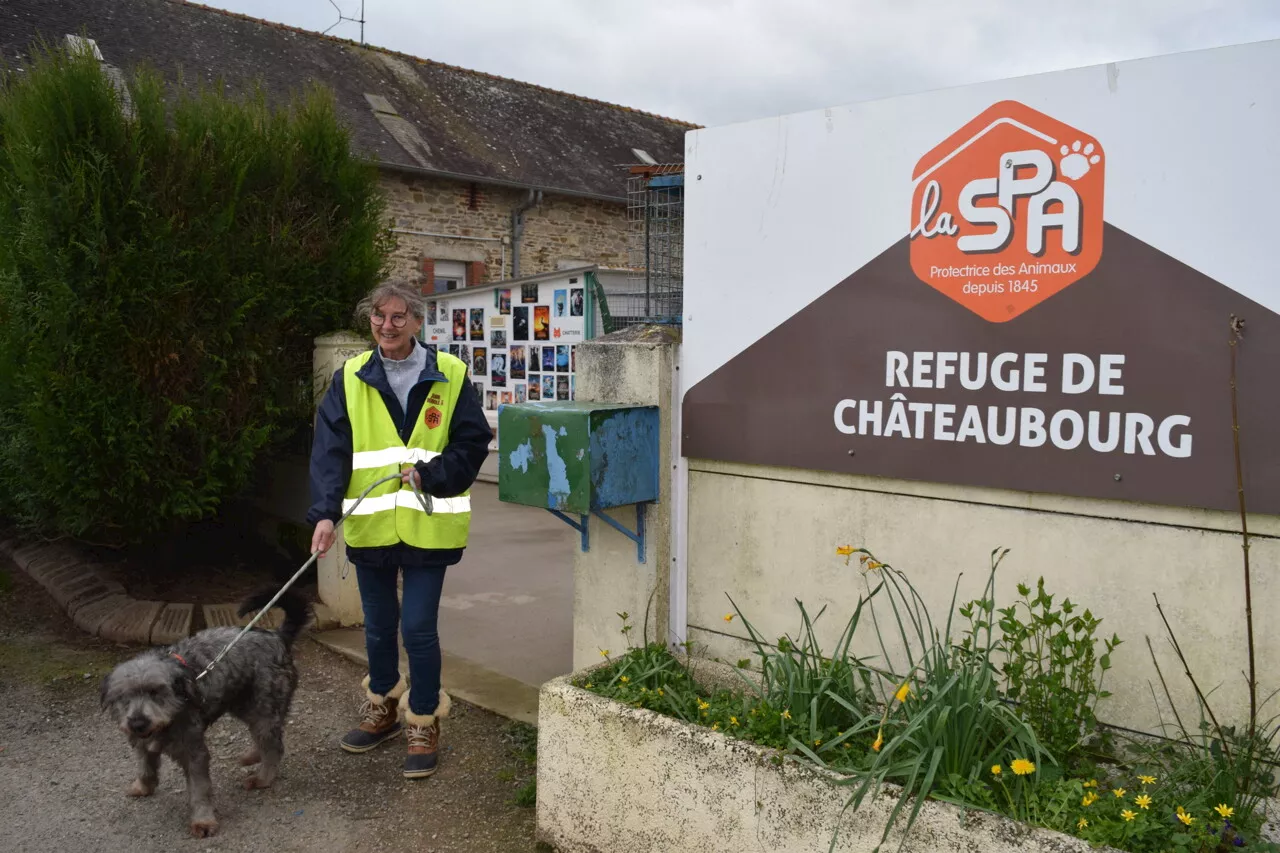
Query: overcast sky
x=719, y=61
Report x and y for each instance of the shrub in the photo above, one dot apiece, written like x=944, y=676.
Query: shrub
x=162, y=276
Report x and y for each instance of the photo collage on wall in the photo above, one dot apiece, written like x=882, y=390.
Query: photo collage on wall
x=517, y=346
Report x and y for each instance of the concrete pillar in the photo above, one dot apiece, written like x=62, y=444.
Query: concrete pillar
x=340, y=595
x=635, y=366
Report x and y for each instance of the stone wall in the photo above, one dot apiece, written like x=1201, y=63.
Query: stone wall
x=562, y=228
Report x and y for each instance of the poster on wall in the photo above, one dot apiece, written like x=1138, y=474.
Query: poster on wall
x=501, y=354
x=1038, y=289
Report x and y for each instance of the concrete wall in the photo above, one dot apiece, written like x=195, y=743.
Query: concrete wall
x=561, y=229
x=634, y=367
x=768, y=536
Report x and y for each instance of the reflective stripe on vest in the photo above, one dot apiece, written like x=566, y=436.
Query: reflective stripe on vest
x=391, y=513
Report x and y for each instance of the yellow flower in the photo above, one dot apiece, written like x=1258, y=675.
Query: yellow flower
x=1143, y=801
x=905, y=689
x=1147, y=780
x=1022, y=767
x=845, y=745
x=624, y=679
x=1119, y=792
x=845, y=551
x=1089, y=799
x=733, y=721
x=817, y=743
x=786, y=715
x=1186, y=818
x=1128, y=815
x=604, y=653
x=644, y=689
x=702, y=706
x=660, y=693
x=1082, y=824
x=588, y=685
x=715, y=727
x=872, y=565
x=728, y=617
x=879, y=741
x=996, y=769
x=1224, y=810
x=1092, y=783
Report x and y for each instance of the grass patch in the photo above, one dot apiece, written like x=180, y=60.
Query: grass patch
x=522, y=742
x=47, y=664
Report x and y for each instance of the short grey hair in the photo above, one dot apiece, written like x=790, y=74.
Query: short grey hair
x=411, y=295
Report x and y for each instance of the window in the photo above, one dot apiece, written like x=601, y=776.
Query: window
x=449, y=275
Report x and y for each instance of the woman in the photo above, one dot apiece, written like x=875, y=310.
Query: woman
x=402, y=403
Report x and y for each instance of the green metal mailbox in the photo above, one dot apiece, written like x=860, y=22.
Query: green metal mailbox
x=580, y=458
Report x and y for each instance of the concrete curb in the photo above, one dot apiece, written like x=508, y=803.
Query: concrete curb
x=100, y=606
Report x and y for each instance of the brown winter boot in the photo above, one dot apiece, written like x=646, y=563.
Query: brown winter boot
x=423, y=733
x=380, y=723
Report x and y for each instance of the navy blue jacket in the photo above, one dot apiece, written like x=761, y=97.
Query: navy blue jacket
x=447, y=475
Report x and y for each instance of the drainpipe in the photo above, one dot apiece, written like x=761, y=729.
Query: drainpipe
x=517, y=228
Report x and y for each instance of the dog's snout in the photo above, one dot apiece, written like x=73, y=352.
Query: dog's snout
x=139, y=725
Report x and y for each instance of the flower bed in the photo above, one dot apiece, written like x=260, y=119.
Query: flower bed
x=959, y=729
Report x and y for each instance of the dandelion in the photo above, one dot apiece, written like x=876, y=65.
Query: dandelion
x=786, y=714
x=903, y=691
x=1022, y=767
x=604, y=653
x=1143, y=801
x=1224, y=810
x=728, y=617
x=1082, y=824
x=1147, y=780
x=996, y=769
x=1119, y=792
x=879, y=741
x=1186, y=818
x=1128, y=815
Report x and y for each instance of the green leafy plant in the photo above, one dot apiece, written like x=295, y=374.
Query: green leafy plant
x=820, y=701
x=163, y=274
x=1050, y=664
x=946, y=721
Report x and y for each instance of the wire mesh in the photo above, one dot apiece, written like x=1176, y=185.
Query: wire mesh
x=654, y=289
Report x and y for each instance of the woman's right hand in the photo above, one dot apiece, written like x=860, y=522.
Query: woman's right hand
x=322, y=539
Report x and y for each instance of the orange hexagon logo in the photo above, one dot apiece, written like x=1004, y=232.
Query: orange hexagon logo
x=1007, y=211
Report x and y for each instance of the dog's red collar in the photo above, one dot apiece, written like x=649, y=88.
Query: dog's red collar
x=180, y=659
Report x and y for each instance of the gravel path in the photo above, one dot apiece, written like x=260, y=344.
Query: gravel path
x=64, y=767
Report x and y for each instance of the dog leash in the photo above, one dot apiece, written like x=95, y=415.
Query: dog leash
x=424, y=500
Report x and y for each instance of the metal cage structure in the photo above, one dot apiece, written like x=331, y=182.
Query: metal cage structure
x=654, y=290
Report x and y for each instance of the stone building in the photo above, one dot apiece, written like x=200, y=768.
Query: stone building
x=486, y=178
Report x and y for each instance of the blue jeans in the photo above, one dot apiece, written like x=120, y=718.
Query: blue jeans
x=382, y=611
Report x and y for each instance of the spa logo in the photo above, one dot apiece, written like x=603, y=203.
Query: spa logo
x=1007, y=211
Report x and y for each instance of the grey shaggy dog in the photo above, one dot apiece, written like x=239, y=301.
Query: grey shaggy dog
x=163, y=710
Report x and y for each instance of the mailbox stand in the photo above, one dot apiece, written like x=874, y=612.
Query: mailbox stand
x=581, y=527
x=578, y=459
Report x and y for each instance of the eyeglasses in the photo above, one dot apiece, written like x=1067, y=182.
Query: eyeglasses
x=397, y=320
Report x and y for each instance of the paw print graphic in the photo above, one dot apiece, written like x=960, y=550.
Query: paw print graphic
x=1076, y=160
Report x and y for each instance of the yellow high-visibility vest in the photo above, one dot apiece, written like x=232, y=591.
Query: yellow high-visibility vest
x=391, y=513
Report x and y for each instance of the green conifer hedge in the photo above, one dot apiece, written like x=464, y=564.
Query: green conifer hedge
x=163, y=272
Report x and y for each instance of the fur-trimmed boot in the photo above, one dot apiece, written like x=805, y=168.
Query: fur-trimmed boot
x=423, y=732
x=380, y=722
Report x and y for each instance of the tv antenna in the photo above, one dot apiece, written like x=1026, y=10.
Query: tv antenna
x=342, y=17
